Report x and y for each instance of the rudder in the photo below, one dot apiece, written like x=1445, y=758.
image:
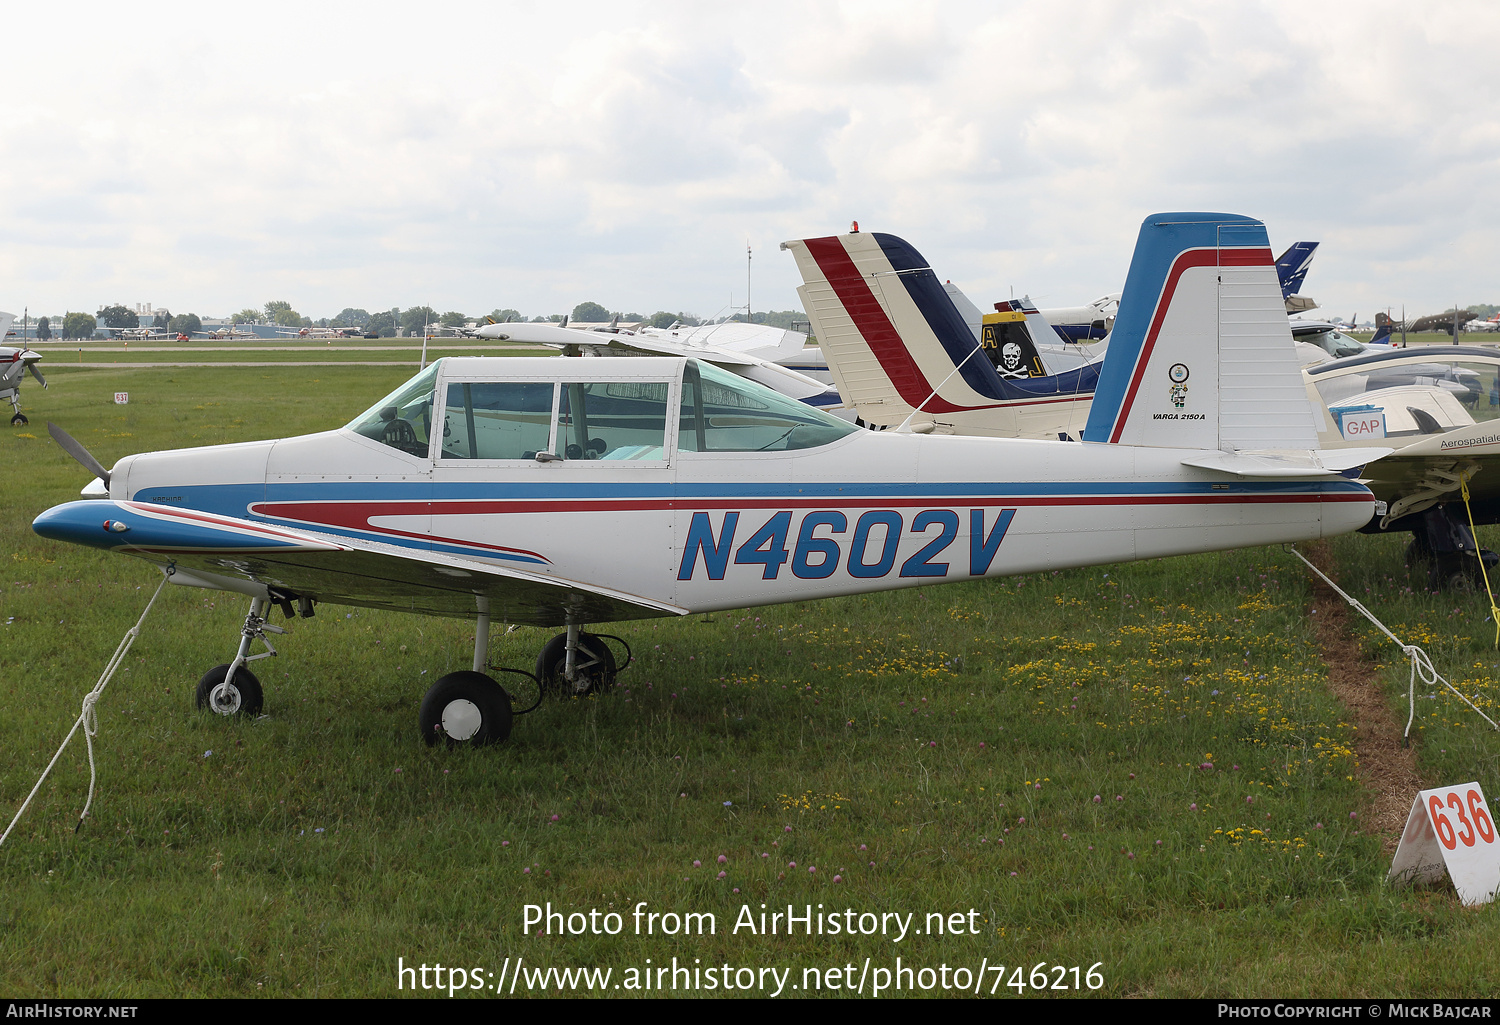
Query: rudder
x=1201, y=355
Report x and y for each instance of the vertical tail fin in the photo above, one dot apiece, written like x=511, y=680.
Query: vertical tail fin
x=1201, y=355
x=894, y=338
x=1292, y=267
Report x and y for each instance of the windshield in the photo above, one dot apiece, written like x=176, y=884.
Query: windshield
x=722, y=412
x=1335, y=343
x=403, y=419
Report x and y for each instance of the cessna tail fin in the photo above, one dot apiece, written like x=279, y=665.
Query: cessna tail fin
x=1201, y=355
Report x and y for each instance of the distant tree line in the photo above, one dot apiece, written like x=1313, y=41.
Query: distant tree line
x=383, y=323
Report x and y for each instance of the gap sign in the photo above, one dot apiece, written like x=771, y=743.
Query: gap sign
x=1363, y=426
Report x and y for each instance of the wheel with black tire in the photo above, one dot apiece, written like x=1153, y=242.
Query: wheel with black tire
x=19, y=420
x=594, y=666
x=242, y=696
x=465, y=709
x=1458, y=572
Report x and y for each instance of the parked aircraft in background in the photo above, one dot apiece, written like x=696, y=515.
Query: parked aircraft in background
x=1449, y=323
x=1094, y=320
x=1490, y=324
x=137, y=334
x=1083, y=323
x=1438, y=406
x=897, y=341
x=564, y=492
x=15, y=364
x=224, y=334
x=319, y=332
x=749, y=350
x=1291, y=270
x=1319, y=341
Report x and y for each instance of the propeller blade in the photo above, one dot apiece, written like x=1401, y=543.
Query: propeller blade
x=38, y=375
x=78, y=452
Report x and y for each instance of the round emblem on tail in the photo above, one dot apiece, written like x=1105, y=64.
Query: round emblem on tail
x=1178, y=372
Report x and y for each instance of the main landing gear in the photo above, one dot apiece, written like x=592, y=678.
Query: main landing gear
x=462, y=709
x=470, y=708
x=1444, y=546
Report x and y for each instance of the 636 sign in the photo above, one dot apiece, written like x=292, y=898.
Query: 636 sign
x=1470, y=821
x=1451, y=830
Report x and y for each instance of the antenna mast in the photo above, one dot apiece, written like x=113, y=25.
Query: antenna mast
x=749, y=317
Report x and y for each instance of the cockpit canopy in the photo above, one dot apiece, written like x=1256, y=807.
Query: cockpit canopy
x=622, y=409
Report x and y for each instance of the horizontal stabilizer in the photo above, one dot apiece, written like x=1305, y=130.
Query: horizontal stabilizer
x=1288, y=462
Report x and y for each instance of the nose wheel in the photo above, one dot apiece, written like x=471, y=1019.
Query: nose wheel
x=239, y=696
x=232, y=689
x=19, y=420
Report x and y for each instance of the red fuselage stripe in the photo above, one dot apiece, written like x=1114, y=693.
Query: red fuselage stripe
x=357, y=515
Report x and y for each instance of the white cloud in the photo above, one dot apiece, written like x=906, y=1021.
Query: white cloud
x=532, y=155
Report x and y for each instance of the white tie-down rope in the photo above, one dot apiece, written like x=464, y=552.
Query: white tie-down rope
x=88, y=719
x=1421, y=665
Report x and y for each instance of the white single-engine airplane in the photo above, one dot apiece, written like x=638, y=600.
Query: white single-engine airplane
x=563, y=492
x=15, y=364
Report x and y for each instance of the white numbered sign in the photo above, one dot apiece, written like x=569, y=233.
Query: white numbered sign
x=1451, y=829
x=122, y=397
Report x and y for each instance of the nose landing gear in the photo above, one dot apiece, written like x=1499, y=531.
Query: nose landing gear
x=232, y=689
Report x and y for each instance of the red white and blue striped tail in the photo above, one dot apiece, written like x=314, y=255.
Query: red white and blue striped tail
x=1201, y=355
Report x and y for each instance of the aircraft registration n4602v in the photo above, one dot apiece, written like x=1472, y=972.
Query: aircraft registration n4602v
x=564, y=492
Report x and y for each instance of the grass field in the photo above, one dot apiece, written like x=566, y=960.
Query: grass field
x=1137, y=769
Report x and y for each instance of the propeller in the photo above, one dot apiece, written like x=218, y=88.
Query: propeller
x=71, y=446
x=37, y=374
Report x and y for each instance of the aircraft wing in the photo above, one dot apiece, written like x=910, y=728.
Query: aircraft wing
x=561, y=337
x=208, y=550
x=772, y=375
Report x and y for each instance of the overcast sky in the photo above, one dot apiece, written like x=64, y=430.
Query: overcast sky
x=209, y=157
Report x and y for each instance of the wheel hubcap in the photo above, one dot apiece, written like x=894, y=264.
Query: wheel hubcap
x=225, y=699
x=462, y=719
